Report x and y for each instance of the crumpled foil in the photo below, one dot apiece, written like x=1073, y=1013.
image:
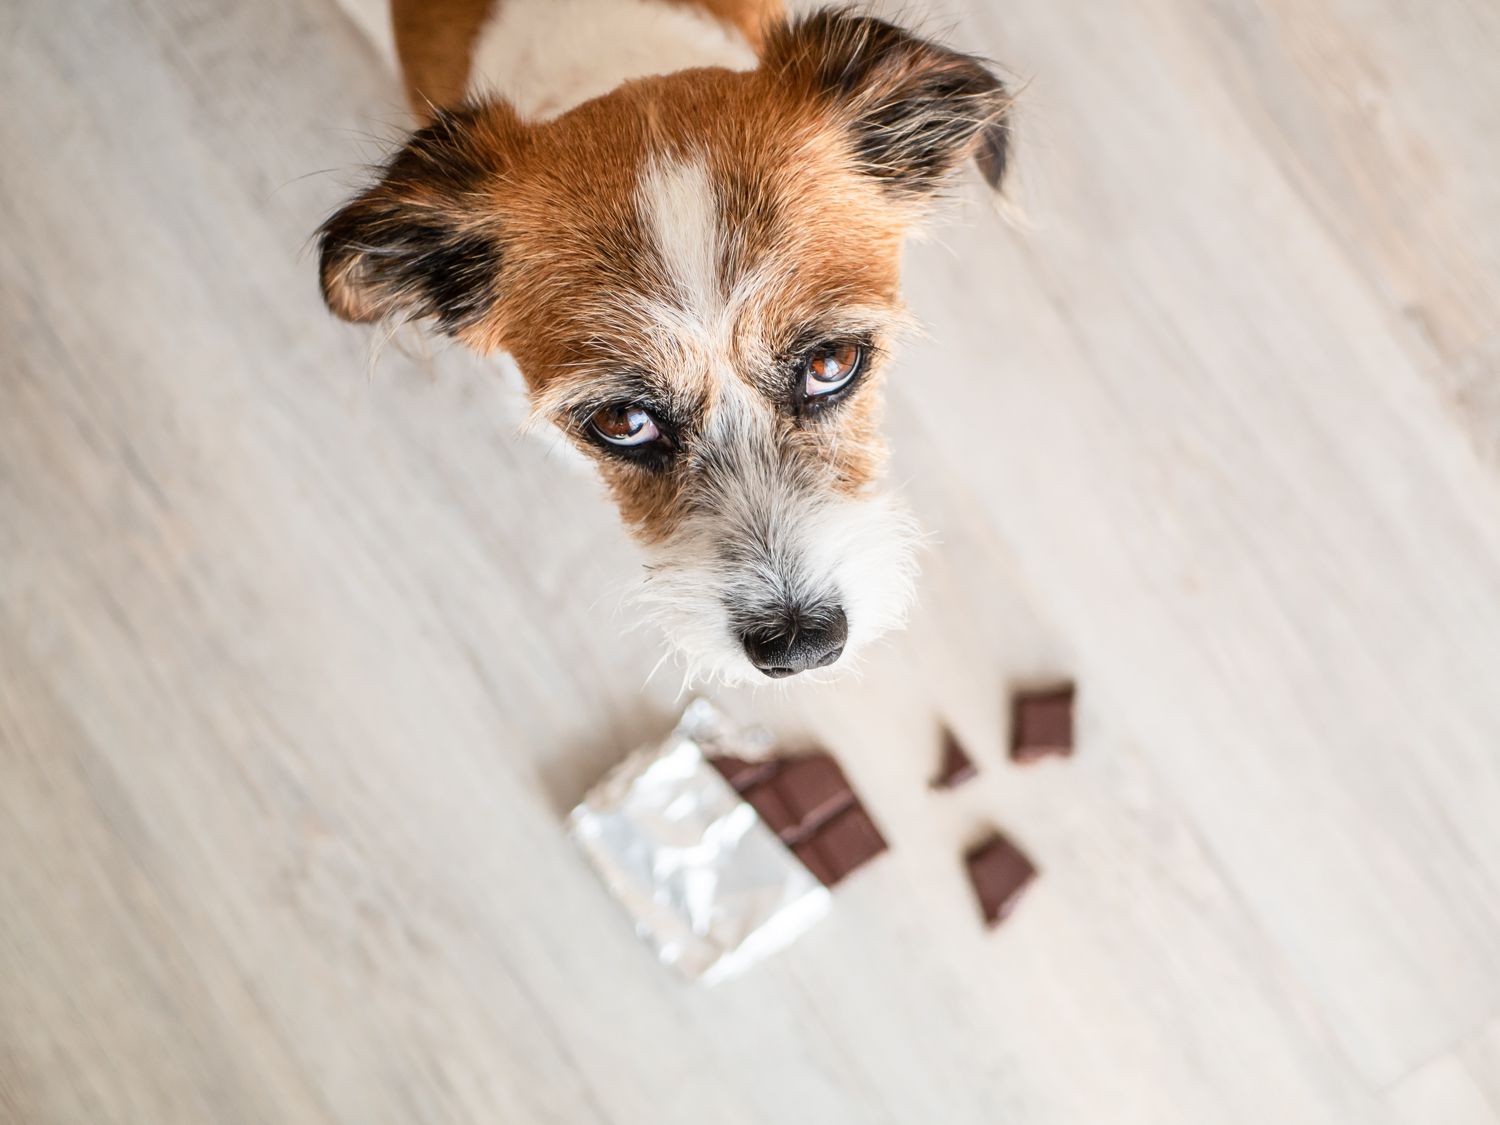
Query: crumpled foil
x=708, y=884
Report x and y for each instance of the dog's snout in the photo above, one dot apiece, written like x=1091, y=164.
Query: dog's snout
x=796, y=641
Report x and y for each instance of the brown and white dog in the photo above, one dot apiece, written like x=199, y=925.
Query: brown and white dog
x=683, y=219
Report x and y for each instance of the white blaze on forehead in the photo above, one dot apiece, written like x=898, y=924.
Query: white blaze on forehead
x=681, y=210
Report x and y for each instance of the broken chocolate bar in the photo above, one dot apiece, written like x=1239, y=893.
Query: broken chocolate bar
x=1000, y=873
x=705, y=879
x=808, y=802
x=957, y=767
x=1041, y=724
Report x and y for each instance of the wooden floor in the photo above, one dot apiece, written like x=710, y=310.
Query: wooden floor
x=302, y=660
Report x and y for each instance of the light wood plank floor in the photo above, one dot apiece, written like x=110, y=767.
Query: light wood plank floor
x=301, y=660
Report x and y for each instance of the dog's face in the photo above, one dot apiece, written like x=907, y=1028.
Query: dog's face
x=698, y=276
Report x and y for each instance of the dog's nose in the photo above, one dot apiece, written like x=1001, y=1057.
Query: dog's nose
x=797, y=640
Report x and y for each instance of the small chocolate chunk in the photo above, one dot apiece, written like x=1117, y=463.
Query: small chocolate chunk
x=1041, y=723
x=957, y=767
x=1000, y=873
x=844, y=844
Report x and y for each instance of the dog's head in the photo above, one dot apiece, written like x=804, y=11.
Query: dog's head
x=698, y=276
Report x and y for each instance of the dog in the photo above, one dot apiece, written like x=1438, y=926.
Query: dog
x=683, y=220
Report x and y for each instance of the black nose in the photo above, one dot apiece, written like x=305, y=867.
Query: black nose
x=797, y=640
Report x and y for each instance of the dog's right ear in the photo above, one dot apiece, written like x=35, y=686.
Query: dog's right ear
x=425, y=241
x=914, y=109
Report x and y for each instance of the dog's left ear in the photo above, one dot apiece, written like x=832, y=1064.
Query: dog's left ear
x=424, y=241
x=916, y=110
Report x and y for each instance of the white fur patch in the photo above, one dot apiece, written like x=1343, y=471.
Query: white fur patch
x=547, y=56
x=677, y=200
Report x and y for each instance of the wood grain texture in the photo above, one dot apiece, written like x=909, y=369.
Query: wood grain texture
x=302, y=660
x=1441, y=1091
x=1480, y=1055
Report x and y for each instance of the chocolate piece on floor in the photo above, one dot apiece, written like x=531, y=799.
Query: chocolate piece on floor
x=1000, y=873
x=957, y=767
x=841, y=846
x=1041, y=724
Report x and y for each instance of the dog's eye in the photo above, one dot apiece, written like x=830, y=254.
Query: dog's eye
x=625, y=425
x=831, y=367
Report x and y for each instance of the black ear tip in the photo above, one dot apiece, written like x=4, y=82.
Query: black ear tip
x=330, y=265
x=336, y=259
x=992, y=153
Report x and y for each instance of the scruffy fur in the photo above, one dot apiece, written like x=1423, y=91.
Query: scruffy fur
x=679, y=244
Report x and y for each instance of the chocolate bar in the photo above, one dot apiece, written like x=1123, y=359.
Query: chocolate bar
x=706, y=881
x=1000, y=873
x=957, y=767
x=1041, y=724
x=808, y=802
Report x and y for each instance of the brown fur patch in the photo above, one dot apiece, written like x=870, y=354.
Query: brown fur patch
x=435, y=42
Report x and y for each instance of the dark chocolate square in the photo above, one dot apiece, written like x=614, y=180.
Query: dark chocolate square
x=1042, y=724
x=814, y=789
x=1000, y=873
x=843, y=845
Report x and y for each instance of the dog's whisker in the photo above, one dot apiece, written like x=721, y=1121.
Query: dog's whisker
x=666, y=654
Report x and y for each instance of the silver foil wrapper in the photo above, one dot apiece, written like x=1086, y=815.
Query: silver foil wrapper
x=708, y=884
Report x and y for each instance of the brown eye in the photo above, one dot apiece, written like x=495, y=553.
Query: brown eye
x=625, y=425
x=830, y=368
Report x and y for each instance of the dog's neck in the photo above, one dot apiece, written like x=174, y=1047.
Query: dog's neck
x=546, y=56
